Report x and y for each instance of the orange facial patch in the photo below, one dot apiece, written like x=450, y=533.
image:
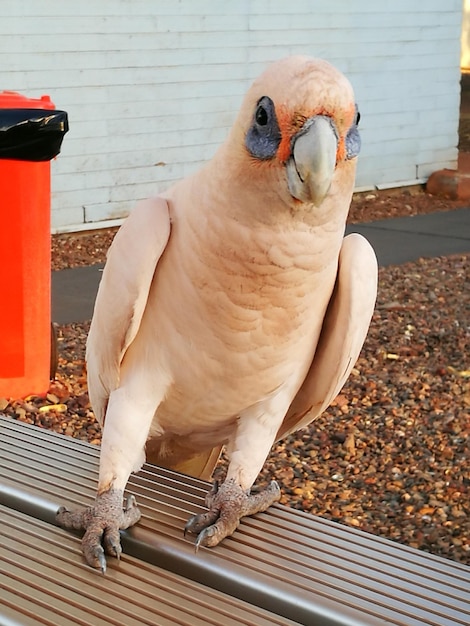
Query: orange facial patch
x=341, y=150
x=290, y=124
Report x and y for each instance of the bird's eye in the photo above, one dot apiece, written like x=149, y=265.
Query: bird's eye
x=261, y=116
x=358, y=117
x=264, y=135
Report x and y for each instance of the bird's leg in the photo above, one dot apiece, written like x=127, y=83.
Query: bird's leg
x=231, y=501
x=125, y=432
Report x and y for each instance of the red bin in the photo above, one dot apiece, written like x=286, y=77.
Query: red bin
x=31, y=132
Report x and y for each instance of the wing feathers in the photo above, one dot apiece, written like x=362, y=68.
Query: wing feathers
x=122, y=295
x=343, y=333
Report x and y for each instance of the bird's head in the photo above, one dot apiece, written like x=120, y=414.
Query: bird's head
x=298, y=122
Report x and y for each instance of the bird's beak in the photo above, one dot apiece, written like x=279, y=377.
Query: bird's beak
x=312, y=161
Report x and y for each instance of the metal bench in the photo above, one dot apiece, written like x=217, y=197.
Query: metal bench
x=283, y=563
x=43, y=581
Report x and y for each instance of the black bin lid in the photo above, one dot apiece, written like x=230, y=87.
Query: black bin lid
x=31, y=134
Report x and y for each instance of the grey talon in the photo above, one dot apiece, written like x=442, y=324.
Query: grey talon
x=102, y=562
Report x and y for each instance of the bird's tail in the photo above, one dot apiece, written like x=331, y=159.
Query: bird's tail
x=201, y=465
x=173, y=457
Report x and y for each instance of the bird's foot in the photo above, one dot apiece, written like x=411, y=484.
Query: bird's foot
x=227, y=504
x=102, y=523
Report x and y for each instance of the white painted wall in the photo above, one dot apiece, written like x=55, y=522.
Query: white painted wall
x=151, y=86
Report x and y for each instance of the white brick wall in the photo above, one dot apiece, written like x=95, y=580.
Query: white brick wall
x=151, y=86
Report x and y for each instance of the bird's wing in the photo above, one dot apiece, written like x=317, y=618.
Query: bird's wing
x=343, y=333
x=122, y=296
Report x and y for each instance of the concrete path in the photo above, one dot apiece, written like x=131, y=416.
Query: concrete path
x=74, y=292
x=404, y=239
x=395, y=241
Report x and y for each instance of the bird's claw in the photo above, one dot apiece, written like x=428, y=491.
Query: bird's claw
x=95, y=556
x=102, y=523
x=204, y=537
x=227, y=505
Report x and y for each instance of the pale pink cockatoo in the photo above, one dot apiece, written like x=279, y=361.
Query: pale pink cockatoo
x=232, y=308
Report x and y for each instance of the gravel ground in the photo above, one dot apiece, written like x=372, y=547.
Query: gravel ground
x=392, y=455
